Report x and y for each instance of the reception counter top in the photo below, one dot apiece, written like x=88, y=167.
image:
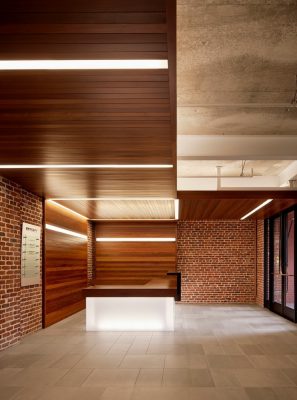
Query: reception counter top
x=153, y=288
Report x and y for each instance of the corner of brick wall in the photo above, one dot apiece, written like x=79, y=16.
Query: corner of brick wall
x=20, y=307
x=217, y=259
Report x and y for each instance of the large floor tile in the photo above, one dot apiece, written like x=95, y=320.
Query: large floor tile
x=36, y=376
x=227, y=361
x=74, y=378
x=261, y=394
x=93, y=360
x=150, y=377
x=263, y=378
x=112, y=377
x=143, y=361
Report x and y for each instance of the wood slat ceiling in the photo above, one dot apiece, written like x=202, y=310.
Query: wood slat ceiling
x=89, y=117
x=122, y=209
x=233, y=204
x=96, y=183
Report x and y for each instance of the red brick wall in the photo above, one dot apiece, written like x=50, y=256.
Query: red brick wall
x=20, y=308
x=260, y=263
x=217, y=260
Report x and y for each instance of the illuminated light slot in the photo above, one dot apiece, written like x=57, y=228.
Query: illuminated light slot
x=67, y=209
x=143, y=239
x=116, y=198
x=176, y=208
x=65, y=231
x=80, y=166
x=82, y=64
x=256, y=209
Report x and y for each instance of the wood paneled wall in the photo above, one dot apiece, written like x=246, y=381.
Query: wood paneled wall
x=134, y=262
x=65, y=270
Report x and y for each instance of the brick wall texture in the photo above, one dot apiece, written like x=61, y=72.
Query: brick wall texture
x=20, y=307
x=217, y=260
x=260, y=263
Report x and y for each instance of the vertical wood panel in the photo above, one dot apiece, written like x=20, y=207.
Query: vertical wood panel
x=65, y=266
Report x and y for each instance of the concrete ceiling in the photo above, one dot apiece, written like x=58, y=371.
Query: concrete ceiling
x=236, y=76
x=234, y=168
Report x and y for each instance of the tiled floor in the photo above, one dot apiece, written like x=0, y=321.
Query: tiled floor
x=216, y=353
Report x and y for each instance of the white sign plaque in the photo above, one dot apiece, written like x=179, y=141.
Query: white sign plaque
x=30, y=264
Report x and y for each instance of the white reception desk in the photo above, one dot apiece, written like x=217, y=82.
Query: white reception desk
x=149, y=307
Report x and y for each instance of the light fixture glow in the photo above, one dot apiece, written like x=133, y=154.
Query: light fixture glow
x=65, y=231
x=82, y=64
x=139, y=239
x=80, y=166
x=67, y=209
x=256, y=209
x=130, y=313
x=115, y=198
x=176, y=208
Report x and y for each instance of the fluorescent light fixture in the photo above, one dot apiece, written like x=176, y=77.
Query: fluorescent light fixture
x=80, y=166
x=82, y=64
x=256, y=209
x=65, y=231
x=176, y=209
x=139, y=239
x=66, y=208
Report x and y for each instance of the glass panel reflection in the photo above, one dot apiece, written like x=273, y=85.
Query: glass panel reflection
x=277, y=286
x=289, y=260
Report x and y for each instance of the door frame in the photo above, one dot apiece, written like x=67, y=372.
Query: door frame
x=269, y=265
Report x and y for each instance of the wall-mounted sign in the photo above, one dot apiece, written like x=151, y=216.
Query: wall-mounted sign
x=30, y=264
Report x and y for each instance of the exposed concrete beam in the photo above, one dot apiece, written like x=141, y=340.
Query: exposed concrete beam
x=257, y=182
x=236, y=147
x=232, y=105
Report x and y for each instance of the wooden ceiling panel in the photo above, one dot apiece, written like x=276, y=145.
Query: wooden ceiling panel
x=95, y=183
x=217, y=208
x=122, y=209
x=275, y=207
x=89, y=117
x=206, y=205
x=91, y=6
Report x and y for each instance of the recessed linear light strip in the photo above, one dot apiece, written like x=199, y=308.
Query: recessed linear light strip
x=79, y=166
x=67, y=209
x=65, y=231
x=132, y=219
x=256, y=209
x=82, y=64
x=114, y=198
x=139, y=239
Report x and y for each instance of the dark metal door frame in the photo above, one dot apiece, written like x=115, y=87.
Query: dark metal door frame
x=281, y=309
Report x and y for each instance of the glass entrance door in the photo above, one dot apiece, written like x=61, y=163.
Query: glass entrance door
x=289, y=263
x=282, y=267
x=276, y=271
